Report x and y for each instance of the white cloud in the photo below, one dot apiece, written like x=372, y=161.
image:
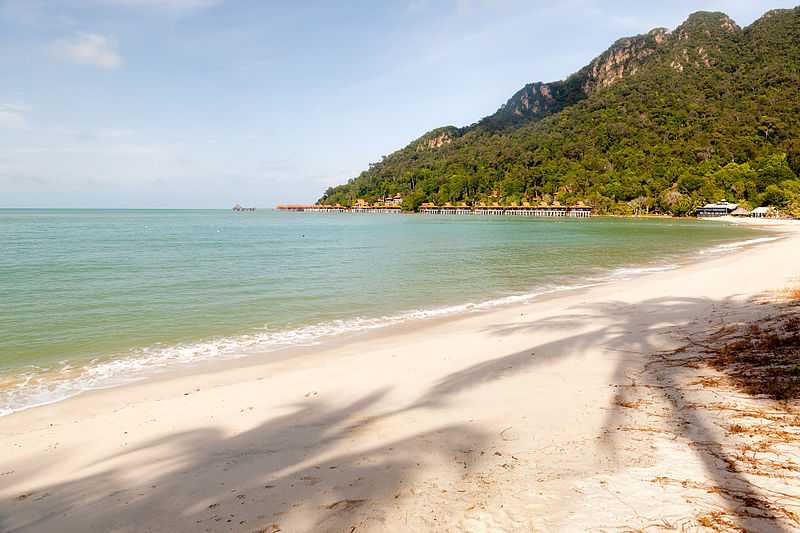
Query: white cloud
x=13, y=116
x=88, y=49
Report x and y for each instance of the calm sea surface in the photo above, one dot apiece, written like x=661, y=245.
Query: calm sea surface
x=90, y=298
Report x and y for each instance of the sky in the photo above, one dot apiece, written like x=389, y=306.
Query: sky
x=208, y=103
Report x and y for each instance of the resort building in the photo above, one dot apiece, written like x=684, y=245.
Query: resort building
x=761, y=212
x=313, y=208
x=580, y=210
x=494, y=209
x=463, y=209
x=358, y=207
x=741, y=212
x=383, y=209
x=397, y=199
x=362, y=206
x=450, y=209
x=719, y=209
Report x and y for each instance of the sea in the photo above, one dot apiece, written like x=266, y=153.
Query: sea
x=95, y=298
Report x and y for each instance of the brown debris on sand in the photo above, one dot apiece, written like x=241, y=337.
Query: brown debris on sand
x=752, y=369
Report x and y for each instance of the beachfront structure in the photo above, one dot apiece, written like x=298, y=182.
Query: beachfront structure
x=719, y=209
x=362, y=206
x=760, y=212
x=383, y=209
x=359, y=205
x=397, y=200
x=556, y=210
x=446, y=209
x=741, y=212
x=579, y=210
x=462, y=209
x=313, y=208
x=357, y=208
x=494, y=209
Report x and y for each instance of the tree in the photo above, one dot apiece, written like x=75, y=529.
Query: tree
x=775, y=196
x=675, y=137
x=773, y=169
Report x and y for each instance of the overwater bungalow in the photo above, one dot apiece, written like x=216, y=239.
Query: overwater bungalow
x=463, y=209
x=448, y=209
x=384, y=209
x=495, y=209
x=580, y=210
x=362, y=206
x=312, y=208
x=428, y=208
x=483, y=209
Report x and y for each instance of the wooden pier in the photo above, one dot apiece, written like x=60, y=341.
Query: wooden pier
x=382, y=209
x=313, y=208
x=579, y=210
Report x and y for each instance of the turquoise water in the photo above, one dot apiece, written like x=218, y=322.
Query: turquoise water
x=92, y=297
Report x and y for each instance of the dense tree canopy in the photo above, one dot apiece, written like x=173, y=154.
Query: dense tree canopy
x=660, y=123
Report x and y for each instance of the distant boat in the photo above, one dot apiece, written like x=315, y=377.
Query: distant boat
x=238, y=207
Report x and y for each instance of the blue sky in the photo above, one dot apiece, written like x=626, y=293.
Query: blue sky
x=205, y=103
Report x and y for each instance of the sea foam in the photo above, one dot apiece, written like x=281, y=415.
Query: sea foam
x=36, y=386
x=728, y=247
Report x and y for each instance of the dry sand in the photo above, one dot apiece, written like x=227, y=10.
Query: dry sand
x=558, y=415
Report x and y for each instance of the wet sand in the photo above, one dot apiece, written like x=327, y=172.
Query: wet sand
x=509, y=420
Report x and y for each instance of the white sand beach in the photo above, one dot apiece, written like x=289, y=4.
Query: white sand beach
x=549, y=416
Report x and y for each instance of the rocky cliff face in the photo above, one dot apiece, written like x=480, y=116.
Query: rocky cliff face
x=624, y=58
x=436, y=141
x=696, y=42
x=534, y=98
x=537, y=100
x=702, y=41
x=436, y=138
x=534, y=101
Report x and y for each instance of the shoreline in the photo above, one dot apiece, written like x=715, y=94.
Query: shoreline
x=497, y=419
x=141, y=368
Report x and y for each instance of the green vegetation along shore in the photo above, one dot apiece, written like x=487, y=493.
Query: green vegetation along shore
x=659, y=123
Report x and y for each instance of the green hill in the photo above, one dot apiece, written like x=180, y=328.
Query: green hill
x=658, y=123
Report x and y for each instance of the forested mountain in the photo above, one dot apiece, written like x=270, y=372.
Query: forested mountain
x=660, y=122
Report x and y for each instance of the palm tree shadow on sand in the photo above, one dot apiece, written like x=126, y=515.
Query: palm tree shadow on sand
x=632, y=330
x=208, y=476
